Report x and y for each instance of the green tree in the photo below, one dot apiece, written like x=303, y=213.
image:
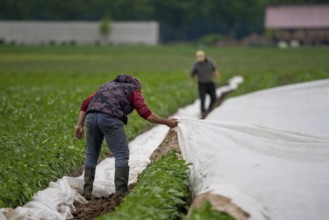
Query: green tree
x=131, y=10
x=175, y=13
x=105, y=29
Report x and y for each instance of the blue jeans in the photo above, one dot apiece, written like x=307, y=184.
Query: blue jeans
x=101, y=125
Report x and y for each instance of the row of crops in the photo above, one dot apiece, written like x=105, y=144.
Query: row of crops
x=162, y=192
x=41, y=89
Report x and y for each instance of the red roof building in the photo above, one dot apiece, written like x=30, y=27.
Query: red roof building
x=300, y=16
x=311, y=22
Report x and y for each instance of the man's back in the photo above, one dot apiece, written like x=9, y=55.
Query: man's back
x=113, y=98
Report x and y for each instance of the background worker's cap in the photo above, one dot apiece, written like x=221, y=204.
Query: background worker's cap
x=200, y=55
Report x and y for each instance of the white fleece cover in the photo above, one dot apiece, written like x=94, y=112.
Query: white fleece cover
x=56, y=201
x=268, y=151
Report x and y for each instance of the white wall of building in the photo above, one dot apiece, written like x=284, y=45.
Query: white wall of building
x=38, y=32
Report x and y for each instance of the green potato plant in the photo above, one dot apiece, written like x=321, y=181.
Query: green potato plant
x=161, y=192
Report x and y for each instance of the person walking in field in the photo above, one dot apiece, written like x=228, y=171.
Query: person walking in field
x=106, y=113
x=205, y=70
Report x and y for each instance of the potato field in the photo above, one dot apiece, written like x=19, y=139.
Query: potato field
x=42, y=87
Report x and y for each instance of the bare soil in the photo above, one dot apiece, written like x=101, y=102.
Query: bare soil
x=169, y=143
x=98, y=206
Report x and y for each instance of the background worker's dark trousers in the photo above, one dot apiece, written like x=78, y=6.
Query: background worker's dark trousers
x=204, y=89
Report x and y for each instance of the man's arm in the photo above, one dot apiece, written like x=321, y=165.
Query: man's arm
x=79, y=132
x=215, y=70
x=192, y=81
x=154, y=118
x=144, y=111
x=217, y=75
x=192, y=74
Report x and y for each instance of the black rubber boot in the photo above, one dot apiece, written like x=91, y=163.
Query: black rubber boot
x=89, y=181
x=121, y=178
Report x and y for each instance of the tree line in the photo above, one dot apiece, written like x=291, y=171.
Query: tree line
x=179, y=19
